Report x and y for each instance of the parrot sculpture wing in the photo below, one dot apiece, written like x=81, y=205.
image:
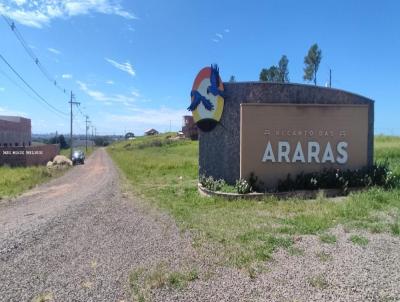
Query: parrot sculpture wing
x=197, y=98
x=214, y=81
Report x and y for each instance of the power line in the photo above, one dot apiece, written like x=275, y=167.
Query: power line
x=30, y=87
x=18, y=85
x=41, y=67
x=30, y=52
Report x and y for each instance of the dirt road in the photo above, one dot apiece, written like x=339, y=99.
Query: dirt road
x=78, y=237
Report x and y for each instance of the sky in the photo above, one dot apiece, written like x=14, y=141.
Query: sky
x=131, y=64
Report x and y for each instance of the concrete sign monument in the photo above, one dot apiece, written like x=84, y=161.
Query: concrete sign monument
x=273, y=129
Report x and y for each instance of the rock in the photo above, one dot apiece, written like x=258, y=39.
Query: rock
x=61, y=160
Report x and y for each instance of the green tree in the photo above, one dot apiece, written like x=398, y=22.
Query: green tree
x=283, y=69
x=59, y=139
x=270, y=74
x=276, y=74
x=312, y=61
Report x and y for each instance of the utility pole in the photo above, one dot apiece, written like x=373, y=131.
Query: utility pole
x=330, y=78
x=86, y=121
x=72, y=102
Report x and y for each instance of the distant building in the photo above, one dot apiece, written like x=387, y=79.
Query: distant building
x=15, y=131
x=151, y=132
x=189, y=128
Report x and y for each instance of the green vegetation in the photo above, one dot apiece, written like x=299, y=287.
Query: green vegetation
x=243, y=233
x=360, y=240
x=14, y=181
x=142, y=280
x=319, y=282
x=311, y=62
x=323, y=256
x=327, y=238
x=276, y=74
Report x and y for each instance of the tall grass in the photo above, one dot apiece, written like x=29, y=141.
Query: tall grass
x=14, y=181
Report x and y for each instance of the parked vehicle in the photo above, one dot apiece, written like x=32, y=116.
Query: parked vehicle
x=78, y=157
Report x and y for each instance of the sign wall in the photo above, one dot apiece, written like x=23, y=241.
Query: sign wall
x=281, y=139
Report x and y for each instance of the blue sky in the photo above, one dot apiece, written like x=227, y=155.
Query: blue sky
x=131, y=64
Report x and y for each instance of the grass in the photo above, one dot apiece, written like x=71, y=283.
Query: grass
x=45, y=297
x=359, y=240
x=327, y=238
x=14, y=181
x=142, y=281
x=318, y=282
x=165, y=173
x=323, y=256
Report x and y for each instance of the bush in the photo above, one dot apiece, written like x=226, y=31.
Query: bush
x=243, y=186
x=211, y=184
x=376, y=175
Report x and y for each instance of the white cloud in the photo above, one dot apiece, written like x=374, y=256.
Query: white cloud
x=20, y=2
x=227, y=30
x=67, y=76
x=97, y=95
x=146, y=117
x=215, y=40
x=110, y=82
x=220, y=36
x=135, y=93
x=6, y=111
x=2, y=89
x=53, y=50
x=40, y=12
x=126, y=67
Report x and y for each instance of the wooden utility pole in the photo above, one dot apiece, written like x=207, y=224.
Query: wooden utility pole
x=72, y=102
x=87, y=127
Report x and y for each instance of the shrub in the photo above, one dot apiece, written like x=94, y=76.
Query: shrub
x=211, y=184
x=243, y=186
x=376, y=175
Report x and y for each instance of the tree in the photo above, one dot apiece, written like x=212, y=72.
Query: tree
x=270, y=75
x=59, y=139
x=283, y=69
x=312, y=61
x=129, y=135
x=232, y=79
x=276, y=74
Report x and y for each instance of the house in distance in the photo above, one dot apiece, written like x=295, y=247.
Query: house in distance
x=151, y=131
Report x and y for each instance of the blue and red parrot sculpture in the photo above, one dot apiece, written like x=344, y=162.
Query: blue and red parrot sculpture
x=213, y=89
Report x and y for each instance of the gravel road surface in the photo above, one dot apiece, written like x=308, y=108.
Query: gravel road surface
x=78, y=237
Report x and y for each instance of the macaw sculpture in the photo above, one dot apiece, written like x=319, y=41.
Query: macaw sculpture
x=197, y=98
x=214, y=81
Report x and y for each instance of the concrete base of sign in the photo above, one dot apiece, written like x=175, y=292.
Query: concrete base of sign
x=302, y=194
